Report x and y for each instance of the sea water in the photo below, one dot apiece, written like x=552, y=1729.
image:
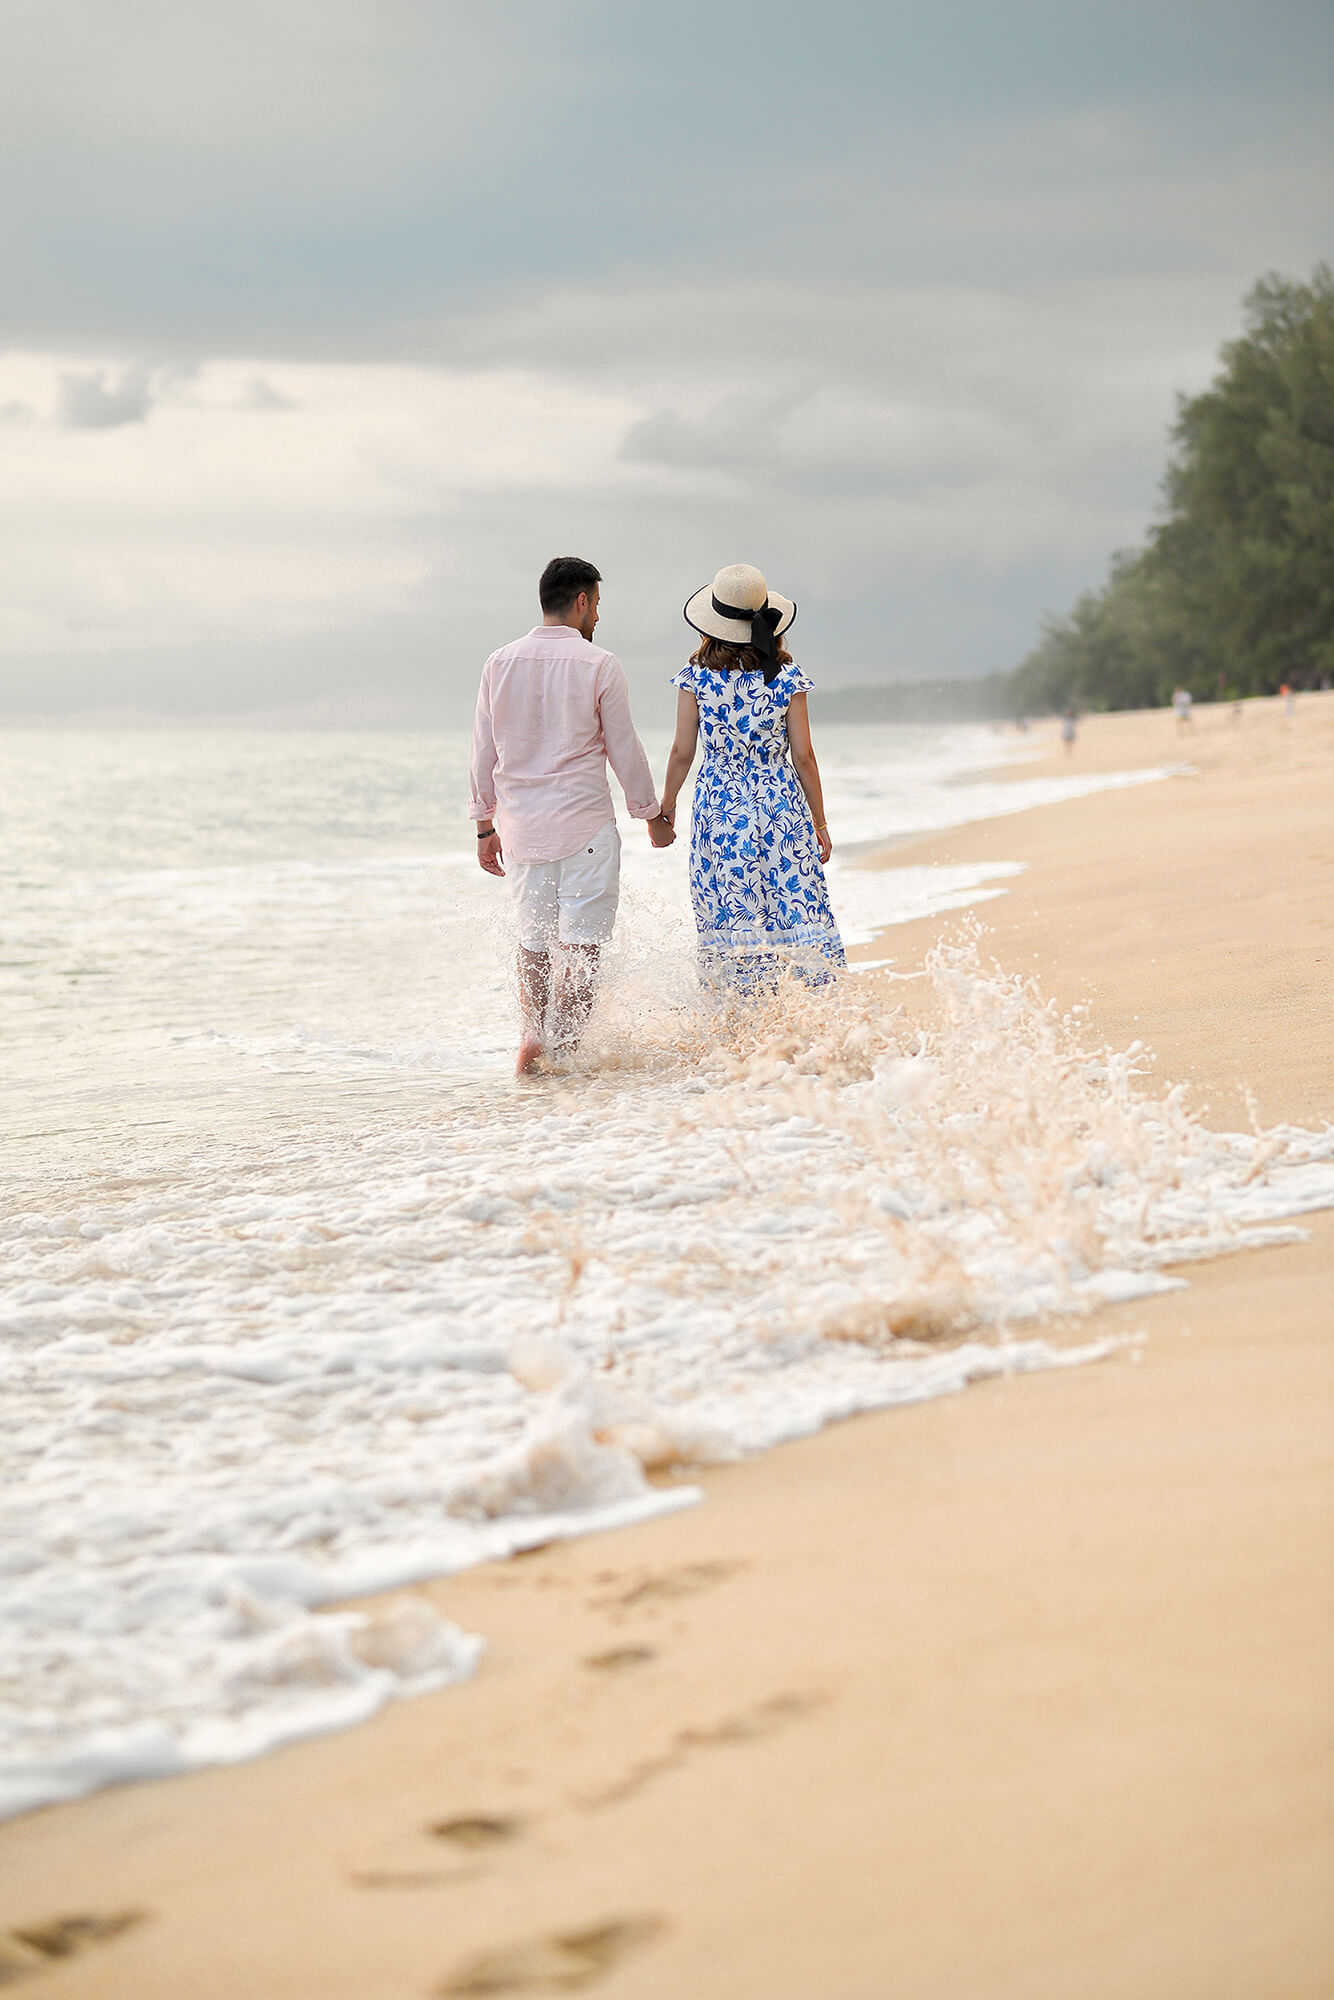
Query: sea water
x=304, y=1298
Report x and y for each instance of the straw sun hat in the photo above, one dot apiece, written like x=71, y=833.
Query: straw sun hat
x=737, y=599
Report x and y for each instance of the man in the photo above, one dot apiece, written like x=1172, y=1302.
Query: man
x=553, y=710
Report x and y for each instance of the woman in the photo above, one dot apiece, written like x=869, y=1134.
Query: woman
x=756, y=844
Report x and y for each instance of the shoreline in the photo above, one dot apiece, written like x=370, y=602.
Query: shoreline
x=1216, y=911
x=1018, y=1691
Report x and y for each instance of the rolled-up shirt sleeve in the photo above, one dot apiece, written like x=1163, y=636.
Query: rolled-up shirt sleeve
x=625, y=752
x=482, y=770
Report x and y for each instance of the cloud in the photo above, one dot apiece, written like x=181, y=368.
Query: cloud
x=86, y=403
x=741, y=432
x=204, y=527
x=903, y=321
x=261, y=395
x=390, y=163
x=919, y=468
x=836, y=443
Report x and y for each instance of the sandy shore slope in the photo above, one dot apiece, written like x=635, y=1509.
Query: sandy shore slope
x=1024, y=1693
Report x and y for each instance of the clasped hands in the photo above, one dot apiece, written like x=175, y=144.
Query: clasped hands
x=662, y=831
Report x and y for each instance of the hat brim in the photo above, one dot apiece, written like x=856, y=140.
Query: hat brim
x=732, y=631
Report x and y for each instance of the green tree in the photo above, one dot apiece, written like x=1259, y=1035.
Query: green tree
x=1234, y=591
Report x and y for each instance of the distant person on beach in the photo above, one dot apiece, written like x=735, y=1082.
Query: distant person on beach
x=1289, y=703
x=552, y=711
x=758, y=838
x=1069, y=730
x=1181, y=707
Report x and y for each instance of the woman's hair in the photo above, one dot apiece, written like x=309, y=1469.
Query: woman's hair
x=725, y=659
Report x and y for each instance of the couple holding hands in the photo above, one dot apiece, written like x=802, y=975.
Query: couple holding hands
x=553, y=711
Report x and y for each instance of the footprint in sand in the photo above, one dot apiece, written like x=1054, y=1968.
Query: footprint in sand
x=561, y=1963
x=749, y=1725
x=471, y=1834
x=477, y=1831
x=646, y=1589
x=32, y=1948
x=620, y=1659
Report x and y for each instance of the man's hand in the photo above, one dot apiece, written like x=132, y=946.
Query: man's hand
x=489, y=855
x=661, y=831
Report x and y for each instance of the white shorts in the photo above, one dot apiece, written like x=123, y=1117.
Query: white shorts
x=571, y=901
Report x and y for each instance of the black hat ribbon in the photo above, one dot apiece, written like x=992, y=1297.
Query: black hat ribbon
x=763, y=632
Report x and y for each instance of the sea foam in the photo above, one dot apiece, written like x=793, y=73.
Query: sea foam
x=252, y=1380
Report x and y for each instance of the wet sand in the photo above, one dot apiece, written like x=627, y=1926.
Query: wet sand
x=1022, y=1693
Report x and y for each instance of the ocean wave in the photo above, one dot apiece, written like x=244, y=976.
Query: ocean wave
x=269, y=1376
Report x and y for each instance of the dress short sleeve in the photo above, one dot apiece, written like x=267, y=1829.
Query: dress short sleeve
x=796, y=680
x=688, y=678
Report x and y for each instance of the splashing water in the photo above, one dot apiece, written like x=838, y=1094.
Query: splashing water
x=250, y=1382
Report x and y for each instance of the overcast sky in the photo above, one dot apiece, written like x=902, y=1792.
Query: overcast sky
x=323, y=323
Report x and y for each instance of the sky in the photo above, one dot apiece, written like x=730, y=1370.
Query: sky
x=324, y=323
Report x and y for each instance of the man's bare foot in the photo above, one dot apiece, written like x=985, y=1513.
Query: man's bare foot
x=530, y=1059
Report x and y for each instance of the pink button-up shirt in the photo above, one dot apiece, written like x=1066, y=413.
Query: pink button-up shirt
x=552, y=712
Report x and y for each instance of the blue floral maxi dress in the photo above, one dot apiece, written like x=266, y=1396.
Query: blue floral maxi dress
x=755, y=877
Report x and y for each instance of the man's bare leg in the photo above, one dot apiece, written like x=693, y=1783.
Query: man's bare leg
x=576, y=987
x=534, y=995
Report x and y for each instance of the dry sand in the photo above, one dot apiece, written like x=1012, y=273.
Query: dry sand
x=1024, y=1693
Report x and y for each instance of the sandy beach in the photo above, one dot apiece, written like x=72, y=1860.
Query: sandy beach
x=1020, y=1693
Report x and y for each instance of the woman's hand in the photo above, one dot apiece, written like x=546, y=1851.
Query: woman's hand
x=661, y=831
x=825, y=844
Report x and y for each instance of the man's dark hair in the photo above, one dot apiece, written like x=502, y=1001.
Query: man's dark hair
x=563, y=579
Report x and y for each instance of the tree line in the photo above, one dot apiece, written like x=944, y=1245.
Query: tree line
x=1233, y=592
